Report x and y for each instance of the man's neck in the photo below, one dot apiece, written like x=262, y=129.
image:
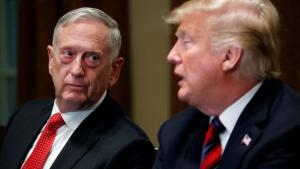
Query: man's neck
x=229, y=94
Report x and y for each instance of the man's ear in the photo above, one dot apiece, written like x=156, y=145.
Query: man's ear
x=231, y=58
x=116, y=70
x=50, y=58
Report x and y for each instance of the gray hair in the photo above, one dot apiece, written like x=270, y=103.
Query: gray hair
x=252, y=25
x=94, y=14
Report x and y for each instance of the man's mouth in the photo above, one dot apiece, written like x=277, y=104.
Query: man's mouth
x=76, y=86
x=179, y=79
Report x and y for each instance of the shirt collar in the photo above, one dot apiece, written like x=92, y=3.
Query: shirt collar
x=231, y=114
x=74, y=119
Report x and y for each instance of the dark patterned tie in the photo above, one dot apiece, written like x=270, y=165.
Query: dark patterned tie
x=212, y=150
x=42, y=148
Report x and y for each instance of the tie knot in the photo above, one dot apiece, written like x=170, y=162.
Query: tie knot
x=55, y=122
x=217, y=125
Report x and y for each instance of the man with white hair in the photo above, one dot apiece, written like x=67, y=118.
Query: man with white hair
x=83, y=127
x=240, y=117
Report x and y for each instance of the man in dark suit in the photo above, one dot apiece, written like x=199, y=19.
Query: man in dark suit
x=240, y=117
x=83, y=127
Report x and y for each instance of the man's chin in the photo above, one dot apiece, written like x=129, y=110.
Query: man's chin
x=71, y=104
x=74, y=99
x=181, y=95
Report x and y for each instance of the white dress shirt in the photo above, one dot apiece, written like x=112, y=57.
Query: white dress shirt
x=72, y=121
x=231, y=114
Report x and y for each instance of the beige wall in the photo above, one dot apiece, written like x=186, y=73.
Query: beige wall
x=149, y=41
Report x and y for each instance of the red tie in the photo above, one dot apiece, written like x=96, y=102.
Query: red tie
x=42, y=149
x=212, y=150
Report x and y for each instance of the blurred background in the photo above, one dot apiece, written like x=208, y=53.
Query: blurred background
x=147, y=89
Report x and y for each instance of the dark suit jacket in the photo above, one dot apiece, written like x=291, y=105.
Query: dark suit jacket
x=271, y=119
x=106, y=139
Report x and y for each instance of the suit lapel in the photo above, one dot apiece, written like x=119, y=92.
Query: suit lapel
x=32, y=126
x=192, y=153
x=241, y=141
x=79, y=143
x=249, y=126
x=87, y=134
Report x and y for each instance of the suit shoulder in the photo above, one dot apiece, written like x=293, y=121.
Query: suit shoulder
x=129, y=130
x=121, y=126
x=292, y=95
x=30, y=108
x=289, y=99
x=37, y=103
x=182, y=119
x=280, y=99
x=286, y=107
x=124, y=137
x=181, y=125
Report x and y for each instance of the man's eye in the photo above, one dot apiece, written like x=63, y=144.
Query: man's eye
x=92, y=59
x=66, y=56
x=187, y=43
x=67, y=53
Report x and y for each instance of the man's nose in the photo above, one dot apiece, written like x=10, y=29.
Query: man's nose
x=173, y=56
x=77, y=67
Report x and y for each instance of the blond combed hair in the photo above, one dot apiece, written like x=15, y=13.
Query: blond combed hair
x=252, y=25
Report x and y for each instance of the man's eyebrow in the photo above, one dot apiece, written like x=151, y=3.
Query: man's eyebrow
x=180, y=33
x=100, y=53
